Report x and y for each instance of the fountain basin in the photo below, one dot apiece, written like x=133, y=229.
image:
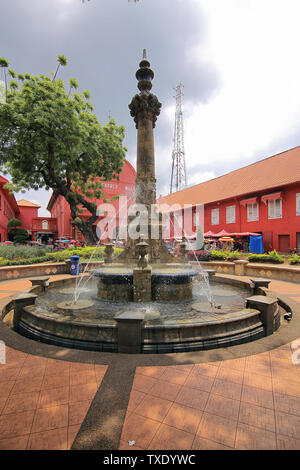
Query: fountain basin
x=164, y=326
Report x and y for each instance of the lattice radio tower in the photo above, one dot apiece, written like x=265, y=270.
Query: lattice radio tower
x=178, y=176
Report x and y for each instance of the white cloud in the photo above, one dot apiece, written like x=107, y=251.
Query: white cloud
x=255, y=46
x=200, y=177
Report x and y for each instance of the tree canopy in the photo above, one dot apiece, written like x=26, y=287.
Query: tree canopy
x=83, y=1
x=15, y=233
x=50, y=138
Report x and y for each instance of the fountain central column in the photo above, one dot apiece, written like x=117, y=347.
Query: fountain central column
x=145, y=108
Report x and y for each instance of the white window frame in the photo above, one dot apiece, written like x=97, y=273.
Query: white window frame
x=178, y=218
x=252, y=212
x=275, y=208
x=215, y=216
x=45, y=225
x=195, y=219
x=230, y=214
x=298, y=204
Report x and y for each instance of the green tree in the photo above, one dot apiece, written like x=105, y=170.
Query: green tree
x=62, y=61
x=50, y=138
x=4, y=65
x=13, y=225
x=21, y=236
x=83, y=1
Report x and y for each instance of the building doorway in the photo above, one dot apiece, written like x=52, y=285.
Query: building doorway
x=284, y=243
x=268, y=241
x=298, y=240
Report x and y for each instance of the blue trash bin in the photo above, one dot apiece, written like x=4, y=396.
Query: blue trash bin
x=74, y=268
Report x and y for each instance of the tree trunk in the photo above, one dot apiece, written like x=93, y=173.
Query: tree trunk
x=85, y=227
x=88, y=233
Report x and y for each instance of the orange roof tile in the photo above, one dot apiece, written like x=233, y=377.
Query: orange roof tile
x=272, y=172
x=24, y=203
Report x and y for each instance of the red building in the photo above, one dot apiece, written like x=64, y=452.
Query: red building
x=263, y=197
x=26, y=212
x=40, y=229
x=60, y=209
x=45, y=229
x=8, y=208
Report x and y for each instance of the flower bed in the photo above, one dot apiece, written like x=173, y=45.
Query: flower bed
x=18, y=256
x=294, y=259
x=271, y=257
x=226, y=255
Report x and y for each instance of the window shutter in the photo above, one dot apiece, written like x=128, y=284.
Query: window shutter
x=215, y=217
x=252, y=212
x=230, y=214
x=278, y=208
x=275, y=209
x=298, y=204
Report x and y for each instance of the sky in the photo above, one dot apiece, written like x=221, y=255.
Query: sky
x=237, y=59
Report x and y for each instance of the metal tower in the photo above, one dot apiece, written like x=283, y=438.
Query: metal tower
x=178, y=176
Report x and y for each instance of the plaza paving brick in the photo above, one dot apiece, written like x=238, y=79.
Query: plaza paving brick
x=241, y=410
x=44, y=401
x=245, y=403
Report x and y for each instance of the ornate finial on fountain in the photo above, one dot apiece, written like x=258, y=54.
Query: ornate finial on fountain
x=183, y=247
x=142, y=252
x=109, y=251
x=144, y=75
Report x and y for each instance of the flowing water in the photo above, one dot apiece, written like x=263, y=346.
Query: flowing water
x=232, y=299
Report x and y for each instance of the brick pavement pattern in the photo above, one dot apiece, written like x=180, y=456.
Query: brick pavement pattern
x=44, y=401
x=250, y=402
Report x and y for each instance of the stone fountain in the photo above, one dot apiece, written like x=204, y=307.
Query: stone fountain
x=144, y=301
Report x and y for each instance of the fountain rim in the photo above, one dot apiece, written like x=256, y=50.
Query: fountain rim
x=168, y=348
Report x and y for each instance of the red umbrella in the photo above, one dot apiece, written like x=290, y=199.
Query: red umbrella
x=209, y=234
x=73, y=241
x=8, y=243
x=223, y=233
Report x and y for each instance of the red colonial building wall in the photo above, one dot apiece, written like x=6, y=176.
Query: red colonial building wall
x=273, y=230
x=8, y=208
x=262, y=183
x=60, y=209
x=28, y=211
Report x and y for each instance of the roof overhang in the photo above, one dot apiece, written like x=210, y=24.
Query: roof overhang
x=250, y=200
x=269, y=197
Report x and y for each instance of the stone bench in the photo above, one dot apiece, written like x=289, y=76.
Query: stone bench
x=42, y=281
x=259, y=282
x=268, y=308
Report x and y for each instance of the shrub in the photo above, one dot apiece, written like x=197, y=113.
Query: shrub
x=14, y=256
x=232, y=255
x=225, y=255
x=25, y=261
x=21, y=236
x=271, y=257
x=14, y=223
x=216, y=254
x=84, y=253
x=294, y=259
x=10, y=252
